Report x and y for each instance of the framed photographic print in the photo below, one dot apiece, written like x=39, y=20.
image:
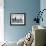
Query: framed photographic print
x=17, y=19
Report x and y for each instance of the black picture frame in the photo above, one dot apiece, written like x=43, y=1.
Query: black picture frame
x=17, y=19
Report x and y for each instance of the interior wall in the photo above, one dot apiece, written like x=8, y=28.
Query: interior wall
x=1, y=20
x=30, y=7
x=43, y=6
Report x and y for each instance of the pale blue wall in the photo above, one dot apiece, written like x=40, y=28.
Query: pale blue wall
x=43, y=6
x=30, y=7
